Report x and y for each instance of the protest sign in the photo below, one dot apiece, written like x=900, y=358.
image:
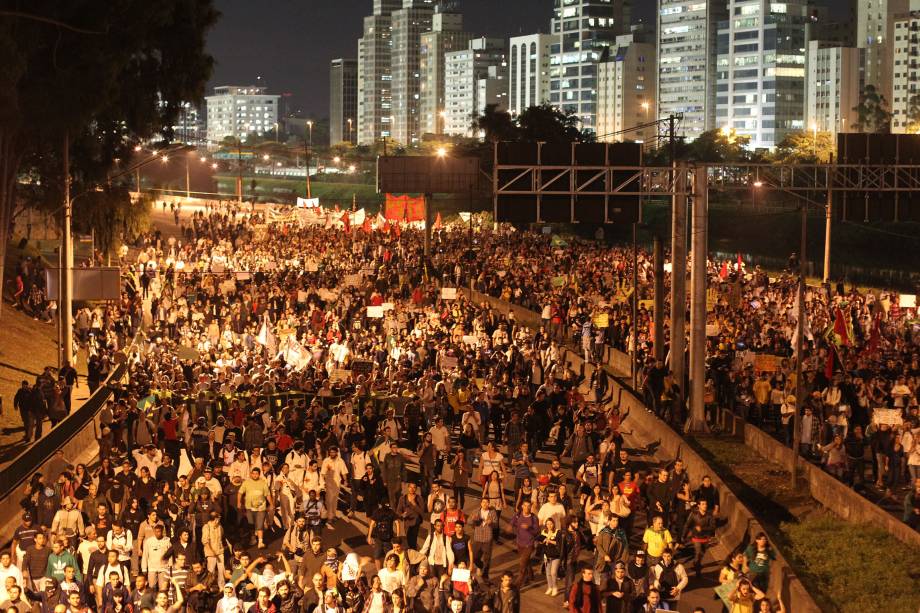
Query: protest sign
x=892, y=417
x=352, y=280
x=602, y=320
x=375, y=312
x=448, y=362
x=448, y=293
x=907, y=301
x=712, y=329
x=764, y=362
x=387, y=306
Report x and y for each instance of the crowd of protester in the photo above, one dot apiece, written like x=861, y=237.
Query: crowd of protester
x=294, y=383
x=861, y=372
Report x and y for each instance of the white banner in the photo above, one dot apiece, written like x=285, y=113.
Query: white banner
x=307, y=203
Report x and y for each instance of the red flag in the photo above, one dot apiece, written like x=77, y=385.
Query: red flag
x=829, y=365
x=840, y=328
x=740, y=263
x=386, y=227
x=723, y=274
x=347, y=221
x=336, y=207
x=397, y=230
x=366, y=226
x=437, y=222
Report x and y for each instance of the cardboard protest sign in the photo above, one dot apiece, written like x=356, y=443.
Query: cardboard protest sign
x=448, y=293
x=375, y=312
x=764, y=362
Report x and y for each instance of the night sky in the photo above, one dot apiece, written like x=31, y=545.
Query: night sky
x=289, y=42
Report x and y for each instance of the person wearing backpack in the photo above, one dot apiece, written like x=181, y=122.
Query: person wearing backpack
x=380, y=531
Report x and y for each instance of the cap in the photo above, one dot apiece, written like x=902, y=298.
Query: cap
x=228, y=584
x=26, y=517
x=640, y=552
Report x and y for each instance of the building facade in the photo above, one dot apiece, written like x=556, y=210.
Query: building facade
x=237, y=111
x=528, y=71
x=343, y=100
x=446, y=36
x=375, y=75
x=474, y=78
x=874, y=31
x=832, y=79
x=905, y=95
x=626, y=78
x=582, y=30
x=687, y=31
x=761, y=70
x=409, y=23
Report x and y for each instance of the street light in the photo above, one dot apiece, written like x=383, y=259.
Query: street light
x=441, y=152
x=137, y=148
x=214, y=166
x=351, y=134
x=336, y=160
x=265, y=157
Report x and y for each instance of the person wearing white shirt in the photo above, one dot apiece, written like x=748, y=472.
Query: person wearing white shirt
x=391, y=578
x=8, y=569
x=335, y=474
x=152, y=562
x=551, y=509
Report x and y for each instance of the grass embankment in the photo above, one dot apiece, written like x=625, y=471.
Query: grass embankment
x=847, y=567
x=26, y=347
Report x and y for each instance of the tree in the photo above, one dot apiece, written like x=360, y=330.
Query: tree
x=806, y=147
x=913, y=114
x=102, y=74
x=548, y=124
x=721, y=145
x=872, y=114
x=496, y=124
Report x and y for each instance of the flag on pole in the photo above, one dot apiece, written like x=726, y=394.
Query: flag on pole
x=437, y=222
x=740, y=263
x=347, y=221
x=723, y=274
x=366, y=226
x=267, y=337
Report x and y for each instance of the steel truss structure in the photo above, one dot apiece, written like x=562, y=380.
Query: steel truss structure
x=575, y=180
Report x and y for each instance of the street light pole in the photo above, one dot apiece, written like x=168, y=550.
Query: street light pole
x=188, y=182
x=65, y=291
x=799, y=351
x=308, y=148
x=635, y=305
x=828, y=220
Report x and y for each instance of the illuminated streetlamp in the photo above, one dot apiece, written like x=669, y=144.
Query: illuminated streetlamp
x=441, y=152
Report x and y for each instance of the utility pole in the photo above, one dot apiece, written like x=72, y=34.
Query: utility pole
x=658, y=263
x=239, y=172
x=427, y=228
x=828, y=220
x=138, y=178
x=697, y=422
x=308, y=150
x=799, y=351
x=635, y=305
x=188, y=181
x=679, y=278
x=65, y=291
x=658, y=259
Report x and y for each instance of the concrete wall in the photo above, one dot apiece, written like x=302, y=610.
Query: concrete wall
x=830, y=492
x=741, y=526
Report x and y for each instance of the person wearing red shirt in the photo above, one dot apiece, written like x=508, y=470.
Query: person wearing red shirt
x=451, y=515
x=585, y=597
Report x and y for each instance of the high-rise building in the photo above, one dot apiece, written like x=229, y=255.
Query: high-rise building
x=582, y=29
x=833, y=70
x=874, y=31
x=446, y=36
x=905, y=98
x=409, y=23
x=686, y=53
x=343, y=100
x=237, y=111
x=528, y=71
x=375, y=73
x=626, y=77
x=833, y=84
x=474, y=78
x=761, y=70
x=187, y=128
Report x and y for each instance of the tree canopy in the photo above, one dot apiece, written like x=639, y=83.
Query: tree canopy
x=105, y=74
x=872, y=114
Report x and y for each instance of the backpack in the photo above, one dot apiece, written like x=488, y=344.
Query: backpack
x=384, y=530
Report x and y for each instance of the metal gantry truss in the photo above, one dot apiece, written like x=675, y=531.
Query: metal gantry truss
x=574, y=180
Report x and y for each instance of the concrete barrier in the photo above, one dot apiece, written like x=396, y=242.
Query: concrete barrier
x=741, y=526
x=831, y=493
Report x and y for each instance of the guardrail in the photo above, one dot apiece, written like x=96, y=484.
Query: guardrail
x=30, y=460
